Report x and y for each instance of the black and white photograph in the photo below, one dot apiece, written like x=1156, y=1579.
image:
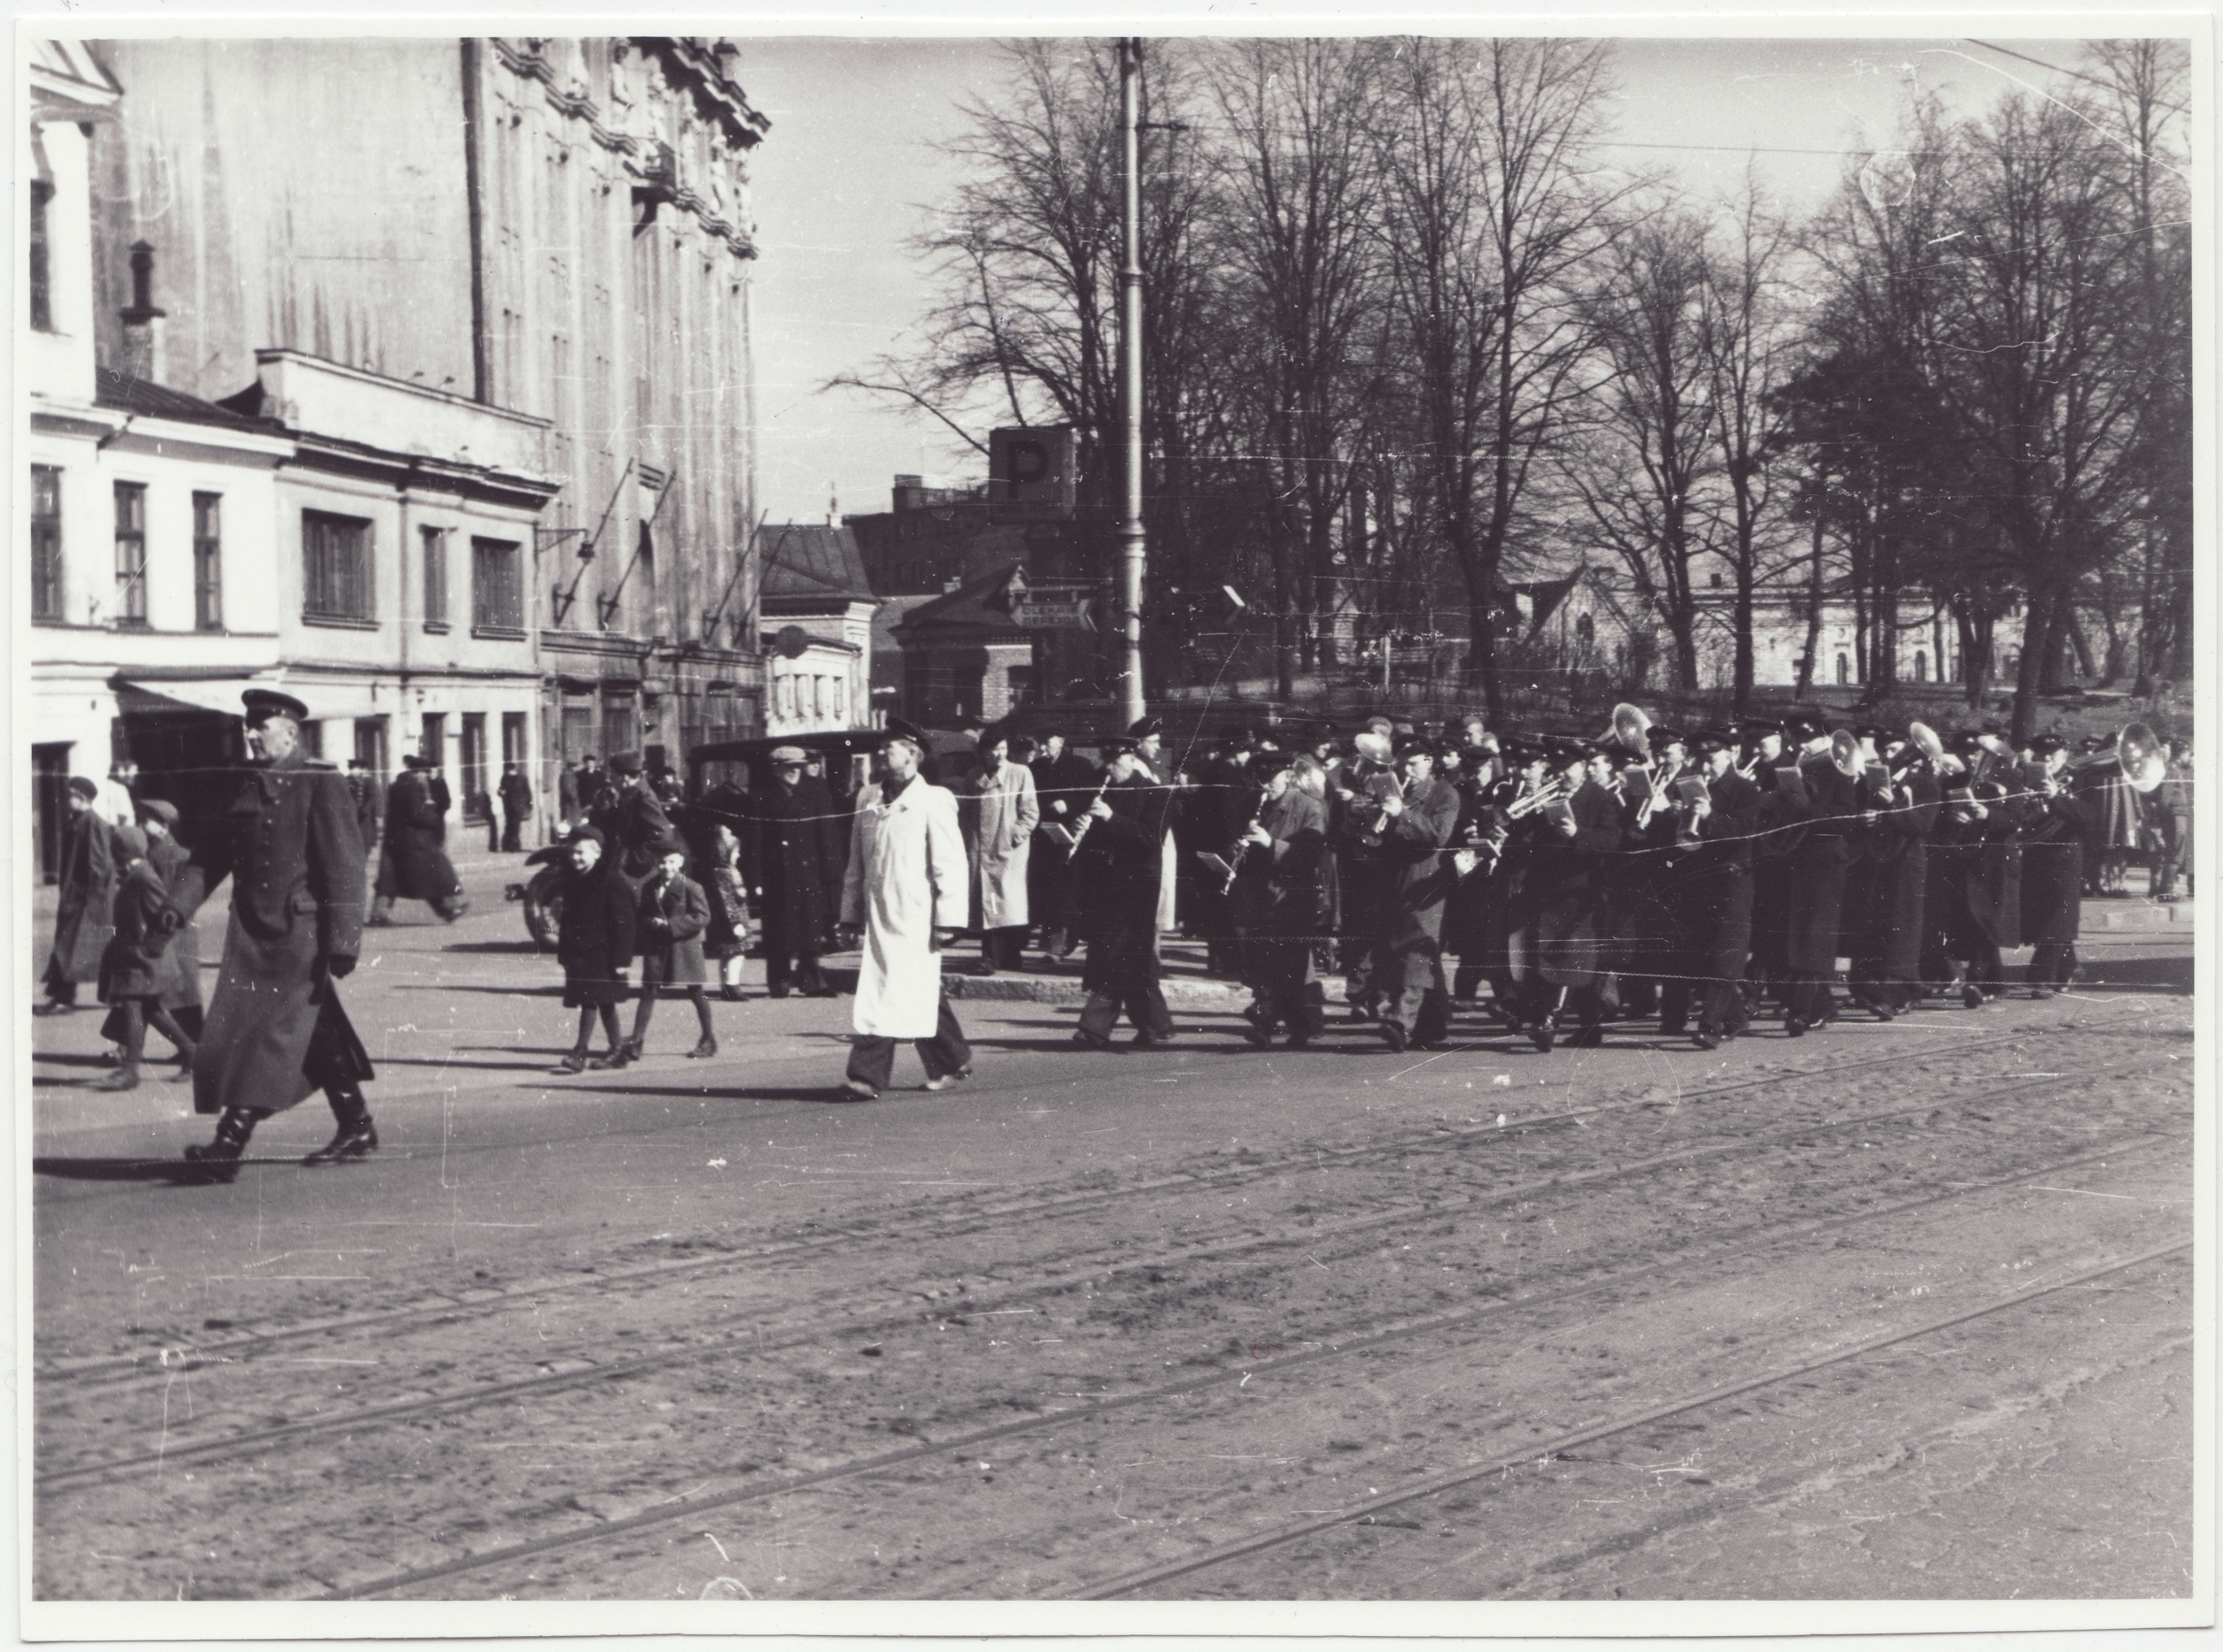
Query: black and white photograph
x=1362, y=829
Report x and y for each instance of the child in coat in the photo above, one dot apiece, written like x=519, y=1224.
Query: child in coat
x=728, y=940
x=594, y=945
x=674, y=914
x=137, y=969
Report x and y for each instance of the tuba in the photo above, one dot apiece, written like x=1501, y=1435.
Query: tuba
x=2138, y=752
x=1629, y=726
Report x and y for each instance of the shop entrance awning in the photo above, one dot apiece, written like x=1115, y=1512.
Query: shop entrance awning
x=173, y=696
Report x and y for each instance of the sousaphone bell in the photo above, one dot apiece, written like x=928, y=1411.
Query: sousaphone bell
x=1845, y=753
x=2139, y=752
x=1630, y=725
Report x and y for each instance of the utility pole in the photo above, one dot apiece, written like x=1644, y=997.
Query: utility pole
x=1132, y=554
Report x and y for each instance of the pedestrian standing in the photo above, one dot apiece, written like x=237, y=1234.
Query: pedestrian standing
x=517, y=807
x=1117, y=869
x=594, y=945
x=362, y=786
x=158, y=821
x=999, y=813
x=794, y=863
x=137, y=972
x=412, y=863
x=276, y=1032
x=669, y=928
x=904, y=890
x=568, y=794
x=87, y=893
x=1064, y=783
x=727, y=940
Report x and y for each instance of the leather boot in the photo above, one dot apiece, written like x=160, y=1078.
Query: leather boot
x=356, y=1137
x=219, y=1160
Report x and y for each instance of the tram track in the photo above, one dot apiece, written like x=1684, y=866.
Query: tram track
x=1472, y=1474
x=750, y=1337
x=907, y=1226
x=1325, y=1352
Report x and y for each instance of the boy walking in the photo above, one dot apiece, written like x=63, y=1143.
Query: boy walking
x=137, y=968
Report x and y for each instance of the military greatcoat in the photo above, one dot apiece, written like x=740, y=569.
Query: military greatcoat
x=82, y=915
x=275, y=1032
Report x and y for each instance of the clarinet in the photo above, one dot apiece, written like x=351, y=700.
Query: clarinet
x=1087, y=819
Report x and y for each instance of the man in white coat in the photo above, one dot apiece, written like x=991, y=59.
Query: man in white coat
x=907, y=890
x=999, y=816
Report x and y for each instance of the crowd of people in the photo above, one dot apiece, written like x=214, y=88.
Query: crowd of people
x=1693, y=882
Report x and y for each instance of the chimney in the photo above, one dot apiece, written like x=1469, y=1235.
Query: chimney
x=142, y=321
x=907, y=490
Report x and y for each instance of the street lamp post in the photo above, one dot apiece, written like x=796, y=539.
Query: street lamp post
x=1132, y=552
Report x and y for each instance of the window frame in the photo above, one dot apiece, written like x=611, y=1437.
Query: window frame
x=357, y=531
x=48, y=595
x=432, y=565
x=208, y=561
x=131, y=557
x=39, y=252
x=510, y=622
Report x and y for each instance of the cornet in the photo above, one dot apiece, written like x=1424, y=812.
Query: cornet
x=1551, y=791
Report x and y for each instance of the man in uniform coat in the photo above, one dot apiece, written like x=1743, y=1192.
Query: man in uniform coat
x=1887, y=891
x=1830, y=837
x=2052, y=869
x=794, y=861
x=412, y=863
x=1064, y=783
x=275, y=1030
x=83, y=912
x=1117, y=870
x=1363, y=877
x=362, y=786
x=1570, y=859
x=1279, y=897
x=1708, y=897
x=1783, y=804
x=1411, y=828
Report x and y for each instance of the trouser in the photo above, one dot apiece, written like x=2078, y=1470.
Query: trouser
x=651, y=991
x=1409, y=978
x=1143, y=1003
x=2052, y=964
x=512, y=832
x=1807, y=998
x=1005, y=948
x=1285, y=990
x=782, y=970
x=872, y=1059
x=138, y=1015
x=60, y=988
x=1986, y=968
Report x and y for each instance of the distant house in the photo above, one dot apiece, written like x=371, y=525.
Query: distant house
x=965, y=654
x=816, y=620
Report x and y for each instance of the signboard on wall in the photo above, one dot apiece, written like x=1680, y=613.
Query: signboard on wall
x=1030, y=474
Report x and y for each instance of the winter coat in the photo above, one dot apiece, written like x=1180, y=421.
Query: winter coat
x=87, y=894
x=595, y=942
x=998, y=813
x=1281, y=890
x=138, y=962
x=674, y=914
x=906, y=878
x=632, y=824
x=275, y=1033
x=412, y=863
x=793, y=857
x=728, y=935
x=170, y=857
x=2052, y=892
x=516, y=797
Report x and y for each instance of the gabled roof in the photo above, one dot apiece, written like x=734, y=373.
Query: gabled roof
x=807, y=559
x=129, y=394
x=981, y=601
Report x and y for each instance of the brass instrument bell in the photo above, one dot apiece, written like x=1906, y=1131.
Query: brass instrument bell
x=2138, y=751
x=1630, y=725
x=1845, y=752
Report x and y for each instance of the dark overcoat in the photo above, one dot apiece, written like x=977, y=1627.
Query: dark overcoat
x=2053, y=869
x=632, y=822
x=1993, y=873
x=795, y=859
x=1828, y=842
x=276, y=1032
x=595, y=945
x=1116, y=872
x=182, y=996
x=412, y=863
x=1279, y=890
x=1417, y=877
x=138, y=962
x=85, y=898
x=1566, y=879
x=1887, y=894
x=1708, y=886
x=674, y=914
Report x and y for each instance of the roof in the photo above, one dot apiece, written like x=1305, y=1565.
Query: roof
x=805, y=559
x=143, y=397
x=980, y=601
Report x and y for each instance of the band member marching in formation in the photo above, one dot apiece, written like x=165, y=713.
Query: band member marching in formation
x=1708, y=876
x=1278, y=899
x=1887, y=891
x=1119, y=863
x=2052, y=868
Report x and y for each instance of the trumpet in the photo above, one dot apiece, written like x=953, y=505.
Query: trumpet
x=1551, y=791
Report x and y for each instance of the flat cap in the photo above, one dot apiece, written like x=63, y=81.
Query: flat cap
x=269, y=702
x=161, y=809
x=130, y=843
x=785, y=756
x=84, y=788
x=1143, y=727
x=1714, y=740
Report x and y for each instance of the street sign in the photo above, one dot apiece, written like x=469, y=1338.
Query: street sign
x=1049, y=612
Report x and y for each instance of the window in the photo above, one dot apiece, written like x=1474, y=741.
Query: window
x=433, y=743
x=435, y=579
x=46, y=542
x=498, y=597
x=474, y=766
x=578, y=731
x=371, y=744
x=335, y=569
x=42, y=290
x=208, y=562
x=1845, y=669
x=131, y=553
x=1921, y=665
x=312, y=739
x=513, y=738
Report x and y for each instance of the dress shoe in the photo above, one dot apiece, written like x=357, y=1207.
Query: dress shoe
x=616, y=1060
x=731, y=995
x=351, y=1142
x=779, y=990
x=1587, y=1038
x=821, y=991
x=1091, y=1041
x=573, y=1062
x=1543, y=1034
x=1972, y=997
x=1394, y=1035
x=1258, y=1026
x=1152, y=1041
x=856, y=1089
x=947, y=1079
x=1793, y=1028
x=122, y=1078
x=52, y=1007
x=703, y=1048
x=1706, y=1040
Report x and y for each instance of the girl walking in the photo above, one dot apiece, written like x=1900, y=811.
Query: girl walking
x=674, y=914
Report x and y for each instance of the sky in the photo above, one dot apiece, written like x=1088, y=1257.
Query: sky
x=850, y=172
